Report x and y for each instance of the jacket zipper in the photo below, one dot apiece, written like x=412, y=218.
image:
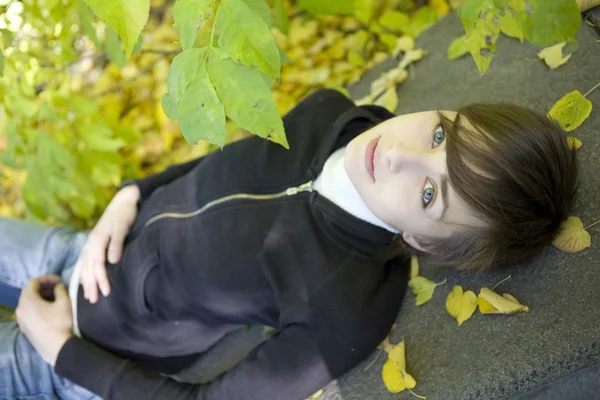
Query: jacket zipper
x=291, y=191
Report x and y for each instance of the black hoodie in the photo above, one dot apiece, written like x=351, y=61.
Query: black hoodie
x=239, y=238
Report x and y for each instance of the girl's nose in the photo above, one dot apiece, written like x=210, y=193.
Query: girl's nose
x=401, y=156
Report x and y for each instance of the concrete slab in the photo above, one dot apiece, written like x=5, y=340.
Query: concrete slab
x=553, y=351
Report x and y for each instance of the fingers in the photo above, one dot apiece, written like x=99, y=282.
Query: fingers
x=115, y=247
x=101, y=279
x=93, y=269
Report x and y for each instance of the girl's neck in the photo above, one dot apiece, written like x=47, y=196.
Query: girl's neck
x=334, y=184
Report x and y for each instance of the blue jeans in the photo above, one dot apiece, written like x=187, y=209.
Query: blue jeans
x=28, y=250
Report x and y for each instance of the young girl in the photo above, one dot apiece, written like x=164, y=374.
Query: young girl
x=311, y=241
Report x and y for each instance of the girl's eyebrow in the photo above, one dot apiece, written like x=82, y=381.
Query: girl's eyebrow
x=444, y=190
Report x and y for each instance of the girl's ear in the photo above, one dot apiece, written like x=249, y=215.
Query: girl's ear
x=413, y=242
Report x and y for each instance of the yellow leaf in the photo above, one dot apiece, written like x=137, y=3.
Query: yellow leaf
x=388, y=100
x=364, y=10
x=387, y=80
x=316, y=395
x=574, y=143
x=398, y=355
x=571, y=237
x=410, y=57
x=461, y=305
x=484, y=306
x=355, y=58
x=396, y=380
x=404, y=44
x=491, y=302
x=571, y=110
x=394, y=373
x=552, y=55
x=440, y=7
x=414, y=266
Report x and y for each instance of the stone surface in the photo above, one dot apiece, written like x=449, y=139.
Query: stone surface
x=552, y=352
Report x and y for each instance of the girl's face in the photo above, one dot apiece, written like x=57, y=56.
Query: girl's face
x=399, y=169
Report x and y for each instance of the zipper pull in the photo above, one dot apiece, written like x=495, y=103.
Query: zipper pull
x=305, y=187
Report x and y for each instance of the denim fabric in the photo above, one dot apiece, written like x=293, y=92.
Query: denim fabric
x=28, y=250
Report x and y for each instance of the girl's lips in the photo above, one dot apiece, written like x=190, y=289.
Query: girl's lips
x=370, y=156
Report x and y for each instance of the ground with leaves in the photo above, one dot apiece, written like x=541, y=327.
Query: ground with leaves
x=490, y=355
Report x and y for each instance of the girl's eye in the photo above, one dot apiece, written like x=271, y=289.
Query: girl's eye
x=438, y=136
x=428, y=193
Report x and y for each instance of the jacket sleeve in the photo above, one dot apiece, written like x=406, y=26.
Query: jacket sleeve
x=287, y=366
x=150, y=183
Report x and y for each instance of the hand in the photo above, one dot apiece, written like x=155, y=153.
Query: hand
x=47, y=324
x=108, y=235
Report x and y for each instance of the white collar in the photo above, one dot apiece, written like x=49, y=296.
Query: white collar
x=334, y=184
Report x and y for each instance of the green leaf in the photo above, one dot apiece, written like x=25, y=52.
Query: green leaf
x=137, y=49
x=469, y=13
x=423, y=288
x=510, y=27
x=552, y=22
x=182, y=71
x=113, y=48
x=200, y=112
x=83, y=107
x=99, y=137
x=1, y=63
x=327, y=6
x=394, y=20
x=458, y=48
x=282, y=20
x=571, y=110
x=421, y=20
x=189, y=16
x=364, y=10
x=126, y=17
x=261, y=9
x=48, y=114
x=192, y=100
x=7, y=37
x=18, y=104
x=57, y=153
x=169, y=105
x=481, y=43
x=284, y=57
x=255, y=111
x=246, y=37
x=86, y=20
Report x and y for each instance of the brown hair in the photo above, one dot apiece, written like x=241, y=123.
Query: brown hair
x=516, y=172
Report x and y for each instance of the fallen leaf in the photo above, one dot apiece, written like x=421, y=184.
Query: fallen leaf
x=572, y=237
x=414, y=266
x=394, y=20
x=388, y=100
x=552, y=55
x=574, y=143
x=571, y=110
x=387, y=80
x=458, y=48
x=411, y=56
x=316, y=395
x=491, y=302
x=423, y=288
x=461, y=305
x=394, y=373
x=403, y=44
